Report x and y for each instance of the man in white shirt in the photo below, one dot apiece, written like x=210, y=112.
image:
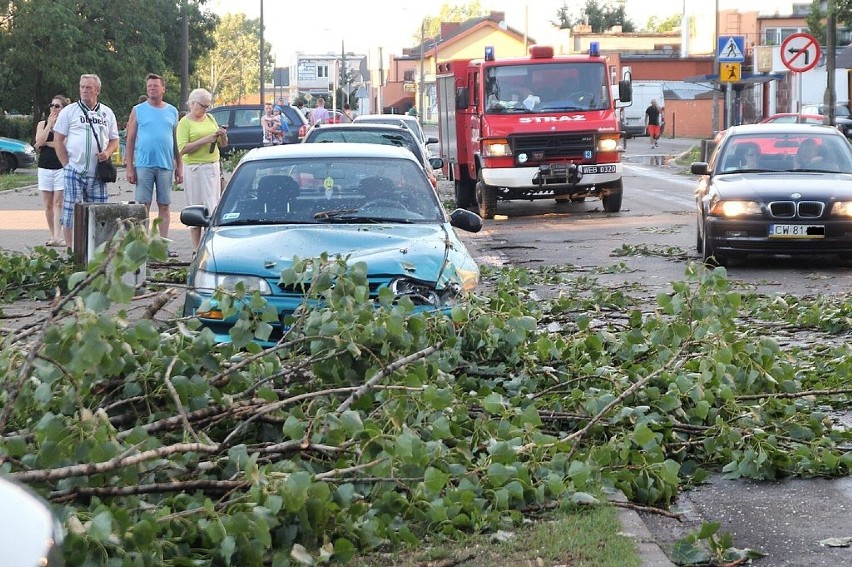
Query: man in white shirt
x=319, y=114
x=78, y=131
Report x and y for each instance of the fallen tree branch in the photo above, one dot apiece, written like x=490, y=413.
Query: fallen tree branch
x=112, y=464
x=69, y=494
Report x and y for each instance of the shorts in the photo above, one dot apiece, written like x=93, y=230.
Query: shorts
x=202, y=184
x=80, y=189
x=654, y=130
x=147, y=178
x=50, y=180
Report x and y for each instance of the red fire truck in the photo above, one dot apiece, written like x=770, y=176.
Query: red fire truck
x=534, y=127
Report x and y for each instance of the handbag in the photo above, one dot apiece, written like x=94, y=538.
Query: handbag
x=106, y=170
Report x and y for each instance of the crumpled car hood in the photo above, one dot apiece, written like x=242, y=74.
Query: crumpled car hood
x=414, y=250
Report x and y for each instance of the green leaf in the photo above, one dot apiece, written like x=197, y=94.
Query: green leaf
x=351, y=421
x=101, y=526
x=434, y=479
x=493, y=404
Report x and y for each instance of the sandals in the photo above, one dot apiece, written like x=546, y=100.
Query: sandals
x=54, y=242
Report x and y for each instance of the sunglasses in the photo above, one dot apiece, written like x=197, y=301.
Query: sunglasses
x=52, y=105
x=204, y=106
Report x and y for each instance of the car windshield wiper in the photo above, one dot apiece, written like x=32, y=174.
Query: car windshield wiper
x=259, y=222
x=747, y=170
x=332, y=213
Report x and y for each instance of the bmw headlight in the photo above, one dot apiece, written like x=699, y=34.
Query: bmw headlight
x=842, y=209
x=210, y=281
x=735, y=208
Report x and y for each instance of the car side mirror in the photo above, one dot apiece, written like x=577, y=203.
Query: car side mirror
x=465, y=220
x=30, y=535
x=431, y=140
x=462, y=98
x=436, y=162
x=195, y=215
x=625, y=91
x=700, y=168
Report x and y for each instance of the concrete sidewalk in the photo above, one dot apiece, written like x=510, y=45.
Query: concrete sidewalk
x=23, y=225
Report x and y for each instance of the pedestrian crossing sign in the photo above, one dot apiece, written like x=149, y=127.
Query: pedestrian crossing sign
x=731, y=48
x=730, y=72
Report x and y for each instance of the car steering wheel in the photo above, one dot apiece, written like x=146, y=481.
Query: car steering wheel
x=577, y=98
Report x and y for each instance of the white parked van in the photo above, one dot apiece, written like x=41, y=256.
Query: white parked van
x=633, y=116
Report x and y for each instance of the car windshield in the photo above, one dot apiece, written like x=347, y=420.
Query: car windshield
x=396, y=137
x=412, y=125
x=546, y=87
x=328, y=190
x=768, y=152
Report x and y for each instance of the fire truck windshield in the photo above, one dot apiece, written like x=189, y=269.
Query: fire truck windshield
x=546, y=87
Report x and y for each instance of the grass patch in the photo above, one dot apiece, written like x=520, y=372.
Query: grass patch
x=587, y=537
x=17, y=180
x=694, y=154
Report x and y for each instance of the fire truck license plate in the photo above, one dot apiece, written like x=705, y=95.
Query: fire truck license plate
x=598, y=169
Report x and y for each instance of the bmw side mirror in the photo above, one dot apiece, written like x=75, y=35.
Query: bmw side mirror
x=700, y=168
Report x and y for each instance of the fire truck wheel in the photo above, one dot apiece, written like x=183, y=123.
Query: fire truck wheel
x=612, y=197
x=486, y=198
x=465, y=193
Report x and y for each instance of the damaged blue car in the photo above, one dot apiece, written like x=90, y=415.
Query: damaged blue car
x=362, y=202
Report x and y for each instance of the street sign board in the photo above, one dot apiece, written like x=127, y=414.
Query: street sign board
x=800, y=52
x=731, y=48
x=730, y=72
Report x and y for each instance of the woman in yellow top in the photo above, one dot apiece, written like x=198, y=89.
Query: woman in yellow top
x=199, y=138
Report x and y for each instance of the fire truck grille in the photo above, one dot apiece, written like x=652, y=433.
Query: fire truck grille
x=553, y=146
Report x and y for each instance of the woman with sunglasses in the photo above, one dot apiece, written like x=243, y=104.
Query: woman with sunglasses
x=199, y=138
x=51, y=178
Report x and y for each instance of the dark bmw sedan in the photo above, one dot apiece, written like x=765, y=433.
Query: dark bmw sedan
x=775, y=189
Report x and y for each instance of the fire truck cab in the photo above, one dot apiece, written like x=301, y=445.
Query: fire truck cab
x=534, y=127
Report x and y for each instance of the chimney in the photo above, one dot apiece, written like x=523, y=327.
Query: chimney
x=497, y=16
x=449, y=28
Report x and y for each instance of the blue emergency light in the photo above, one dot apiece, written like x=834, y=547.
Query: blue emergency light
x=489, y=53
x=595, y=49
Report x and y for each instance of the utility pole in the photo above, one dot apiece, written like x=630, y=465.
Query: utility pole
x=830, y=98
x=184, y=71
x=381, y=82
x=262, y=77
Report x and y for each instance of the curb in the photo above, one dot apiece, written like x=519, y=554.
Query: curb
x=649, y=551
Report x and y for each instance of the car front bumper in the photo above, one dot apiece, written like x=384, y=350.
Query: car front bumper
x=737, y=237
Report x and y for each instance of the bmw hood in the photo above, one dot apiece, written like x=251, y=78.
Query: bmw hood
x=416, y=251
x=762, y=186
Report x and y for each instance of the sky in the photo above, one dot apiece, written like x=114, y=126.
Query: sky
x=365, y=26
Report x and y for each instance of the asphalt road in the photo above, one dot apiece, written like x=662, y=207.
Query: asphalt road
x=787, y=520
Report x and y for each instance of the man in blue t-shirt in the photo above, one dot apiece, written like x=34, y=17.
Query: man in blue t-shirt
x=152, y=156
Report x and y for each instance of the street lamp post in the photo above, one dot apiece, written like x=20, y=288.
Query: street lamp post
x=422, y=70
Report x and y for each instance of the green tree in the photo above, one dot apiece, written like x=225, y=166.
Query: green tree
x=656, y=25
x=48, y=44
x=230, y=70
x=816, y=18
x=600, y=17
x=431, y=25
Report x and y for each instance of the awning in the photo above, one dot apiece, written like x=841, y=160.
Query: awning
x=746, y=79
